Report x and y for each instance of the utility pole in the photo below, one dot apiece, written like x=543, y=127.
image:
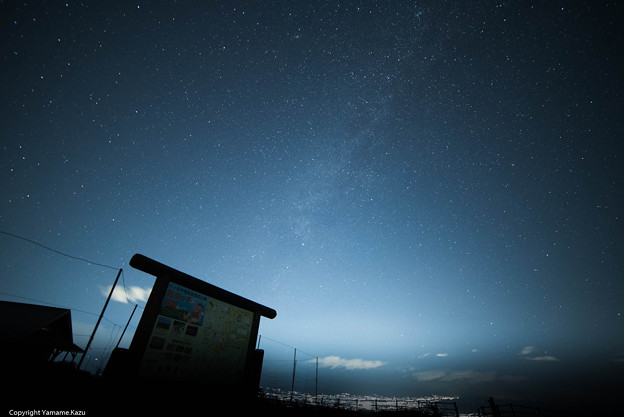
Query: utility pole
x=125, y=328
x=99, y=319
x=316, y=383
x=292, y=387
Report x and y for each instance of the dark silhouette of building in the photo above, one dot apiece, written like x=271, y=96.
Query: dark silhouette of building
x=33, y=335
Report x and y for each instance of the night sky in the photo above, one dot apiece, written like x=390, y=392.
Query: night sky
x=429, y=194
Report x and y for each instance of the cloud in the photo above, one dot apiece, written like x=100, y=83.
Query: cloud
x=438, y=355
x=463, y=375
x=542, y=358
x=131, y=295
x=437, y=374
x=443, y=375
x=528, y=350
x=349, y=364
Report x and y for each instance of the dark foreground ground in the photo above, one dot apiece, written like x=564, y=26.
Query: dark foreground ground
x=63, y=391
x=92, y=396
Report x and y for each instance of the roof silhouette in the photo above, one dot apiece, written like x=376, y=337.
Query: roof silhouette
x=36, y=326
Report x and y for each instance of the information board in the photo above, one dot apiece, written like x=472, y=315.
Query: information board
x=192, y=332
x=198, y=338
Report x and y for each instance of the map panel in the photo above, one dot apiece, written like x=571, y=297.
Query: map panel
x=198, y=338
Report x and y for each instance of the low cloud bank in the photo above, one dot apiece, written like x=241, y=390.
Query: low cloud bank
x=462, y=375
x=349, y=364
x=528, y=351
x=543, y=358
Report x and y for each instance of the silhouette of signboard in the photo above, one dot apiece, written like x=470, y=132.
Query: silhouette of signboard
x=194, y=331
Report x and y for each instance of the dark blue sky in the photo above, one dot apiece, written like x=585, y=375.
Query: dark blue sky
x=429, y=194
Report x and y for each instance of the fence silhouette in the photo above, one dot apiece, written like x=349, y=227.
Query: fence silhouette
x=364, y=403
x=289, y=374
x=287, y=368
x=515, y=410
x=292, y=375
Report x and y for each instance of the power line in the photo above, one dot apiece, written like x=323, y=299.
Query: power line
x=123, y=283
x=284, y=344
x=58, y=305
x=56, y=251
x=70, y=256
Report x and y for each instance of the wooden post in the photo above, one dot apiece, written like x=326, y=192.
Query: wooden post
x=125, y=328
x=84, y=354
x=316, y=383
x=292, y=386
x=436, y=411
x=495, y=411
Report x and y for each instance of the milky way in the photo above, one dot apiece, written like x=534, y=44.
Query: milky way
x=434, y=188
